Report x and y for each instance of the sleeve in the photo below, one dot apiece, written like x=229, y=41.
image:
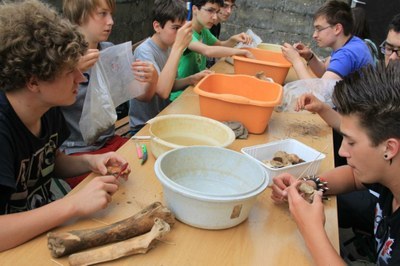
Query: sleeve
x=340, y=64
x=209, y=37
x=144, y=53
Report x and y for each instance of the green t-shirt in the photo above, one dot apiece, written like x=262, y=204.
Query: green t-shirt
x=192, y=62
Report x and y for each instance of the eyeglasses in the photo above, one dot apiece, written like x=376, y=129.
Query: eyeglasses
x=229, y=6
x=388, y=49
x=211, y=11
x=318, y=30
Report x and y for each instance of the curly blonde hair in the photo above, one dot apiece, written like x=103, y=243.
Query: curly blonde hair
x=35, y=41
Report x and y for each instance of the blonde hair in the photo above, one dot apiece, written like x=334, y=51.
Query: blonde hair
x=79, y=11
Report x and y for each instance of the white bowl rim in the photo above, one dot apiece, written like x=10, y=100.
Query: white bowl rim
x=190, y=193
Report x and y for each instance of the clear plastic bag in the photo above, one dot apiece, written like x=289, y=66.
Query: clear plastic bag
x=256, y=40
x=111, y=84
x=321, y=88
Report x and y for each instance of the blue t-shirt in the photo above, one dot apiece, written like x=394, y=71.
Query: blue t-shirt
x=350, y=57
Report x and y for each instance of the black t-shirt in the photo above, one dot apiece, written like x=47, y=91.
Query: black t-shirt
x=216, y=30
x=386, y=227
x=27, y=161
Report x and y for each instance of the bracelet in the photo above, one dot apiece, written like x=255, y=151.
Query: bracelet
x=311, y=57
x=320, y=183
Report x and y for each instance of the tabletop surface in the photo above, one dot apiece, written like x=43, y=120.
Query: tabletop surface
x=268, y=237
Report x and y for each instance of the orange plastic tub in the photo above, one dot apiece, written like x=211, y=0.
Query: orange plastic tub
x=242, y=98
x=272, y=63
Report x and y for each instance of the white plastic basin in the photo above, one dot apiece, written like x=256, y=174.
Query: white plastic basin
x=210, y=187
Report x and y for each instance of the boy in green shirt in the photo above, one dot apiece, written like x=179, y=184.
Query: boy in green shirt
x=204, y=44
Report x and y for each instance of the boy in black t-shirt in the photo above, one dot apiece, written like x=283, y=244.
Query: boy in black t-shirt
x=38, y=71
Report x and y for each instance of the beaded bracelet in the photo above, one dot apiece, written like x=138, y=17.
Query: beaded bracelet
x=320, y=183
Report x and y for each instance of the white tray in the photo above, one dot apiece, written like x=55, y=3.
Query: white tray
x=266, y=152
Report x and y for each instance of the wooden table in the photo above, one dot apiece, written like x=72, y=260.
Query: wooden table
x=268, y=237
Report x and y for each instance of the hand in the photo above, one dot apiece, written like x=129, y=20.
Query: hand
x=304, y=51
x=309, y=102
x=291, y=53
x=242, y=37
x=144, y=71
x=279, y=187
x=183, y=36
x=307, y=215
x=96, y=195
x=248, y=54
x=199, y=76
x=88, y=59
x=98, y=163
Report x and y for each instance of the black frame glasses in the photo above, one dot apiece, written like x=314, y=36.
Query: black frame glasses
x=388, y=49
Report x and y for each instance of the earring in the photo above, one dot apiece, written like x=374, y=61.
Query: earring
x=385, y=156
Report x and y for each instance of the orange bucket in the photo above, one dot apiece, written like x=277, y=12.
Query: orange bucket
x=242, y=98
x=272, y=63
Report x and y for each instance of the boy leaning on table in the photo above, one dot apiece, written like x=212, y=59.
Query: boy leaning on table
x=204, y=44
x=95, y=20
x=164, y=49
x=39, y=54
x=368, y=103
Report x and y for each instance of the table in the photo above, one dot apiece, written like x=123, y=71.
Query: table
x=268, y=237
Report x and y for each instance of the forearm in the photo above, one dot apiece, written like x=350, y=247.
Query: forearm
x=69, y=166
x=340, y=180
x=180, y=84
x=317, y=66
x=222, y=51
x=18, y=228
x=320, y=247
x=167, y=76
x=227, y=43
x=330, y=116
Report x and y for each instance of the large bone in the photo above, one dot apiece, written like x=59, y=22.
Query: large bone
x=137, y=245
x=61, y=244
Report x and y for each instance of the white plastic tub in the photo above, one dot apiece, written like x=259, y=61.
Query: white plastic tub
x=210, y=187
x=263, y=152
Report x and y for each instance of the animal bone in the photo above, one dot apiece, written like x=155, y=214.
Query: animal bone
x=64, y=243
x=137, y=245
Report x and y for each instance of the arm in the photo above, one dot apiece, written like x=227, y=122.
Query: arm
x=235, y=39
x=67, y=166
x=217, y=51
x=167, y=76
x=20, y=227
x=312, y=104
x=191, y=80
x=310, y=220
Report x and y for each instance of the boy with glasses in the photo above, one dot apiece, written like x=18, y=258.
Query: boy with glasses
x=223, y=15
x=390, y=47
x=204, y=44
x=333, y=24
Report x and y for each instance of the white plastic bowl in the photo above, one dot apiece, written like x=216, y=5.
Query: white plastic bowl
x=210, y=187
x=312, y=158
x=180, y=130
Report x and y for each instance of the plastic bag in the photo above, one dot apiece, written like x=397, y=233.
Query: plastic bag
x=111, y=84
x=256, y=40
x=321, y=88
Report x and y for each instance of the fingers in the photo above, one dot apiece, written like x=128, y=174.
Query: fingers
x=143, y=71
x=88, y=59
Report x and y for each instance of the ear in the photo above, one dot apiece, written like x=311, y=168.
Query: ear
x=338, y=28
x=156, y=26
x=33, y=84
x=194, y=10
x=392, y=147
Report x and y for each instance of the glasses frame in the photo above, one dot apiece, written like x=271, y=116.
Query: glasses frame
x=210, y=11
x=230, y=6
x=322, y=29
x=388, y=51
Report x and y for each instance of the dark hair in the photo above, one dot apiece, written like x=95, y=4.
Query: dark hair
x=395, y=24
x=35, y=41
x=200, y=3
x=360, y=25
x=337, y=12
x=166, y=10
x=373, y=95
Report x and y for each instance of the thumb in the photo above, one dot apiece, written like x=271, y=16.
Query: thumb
x=317, y=197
